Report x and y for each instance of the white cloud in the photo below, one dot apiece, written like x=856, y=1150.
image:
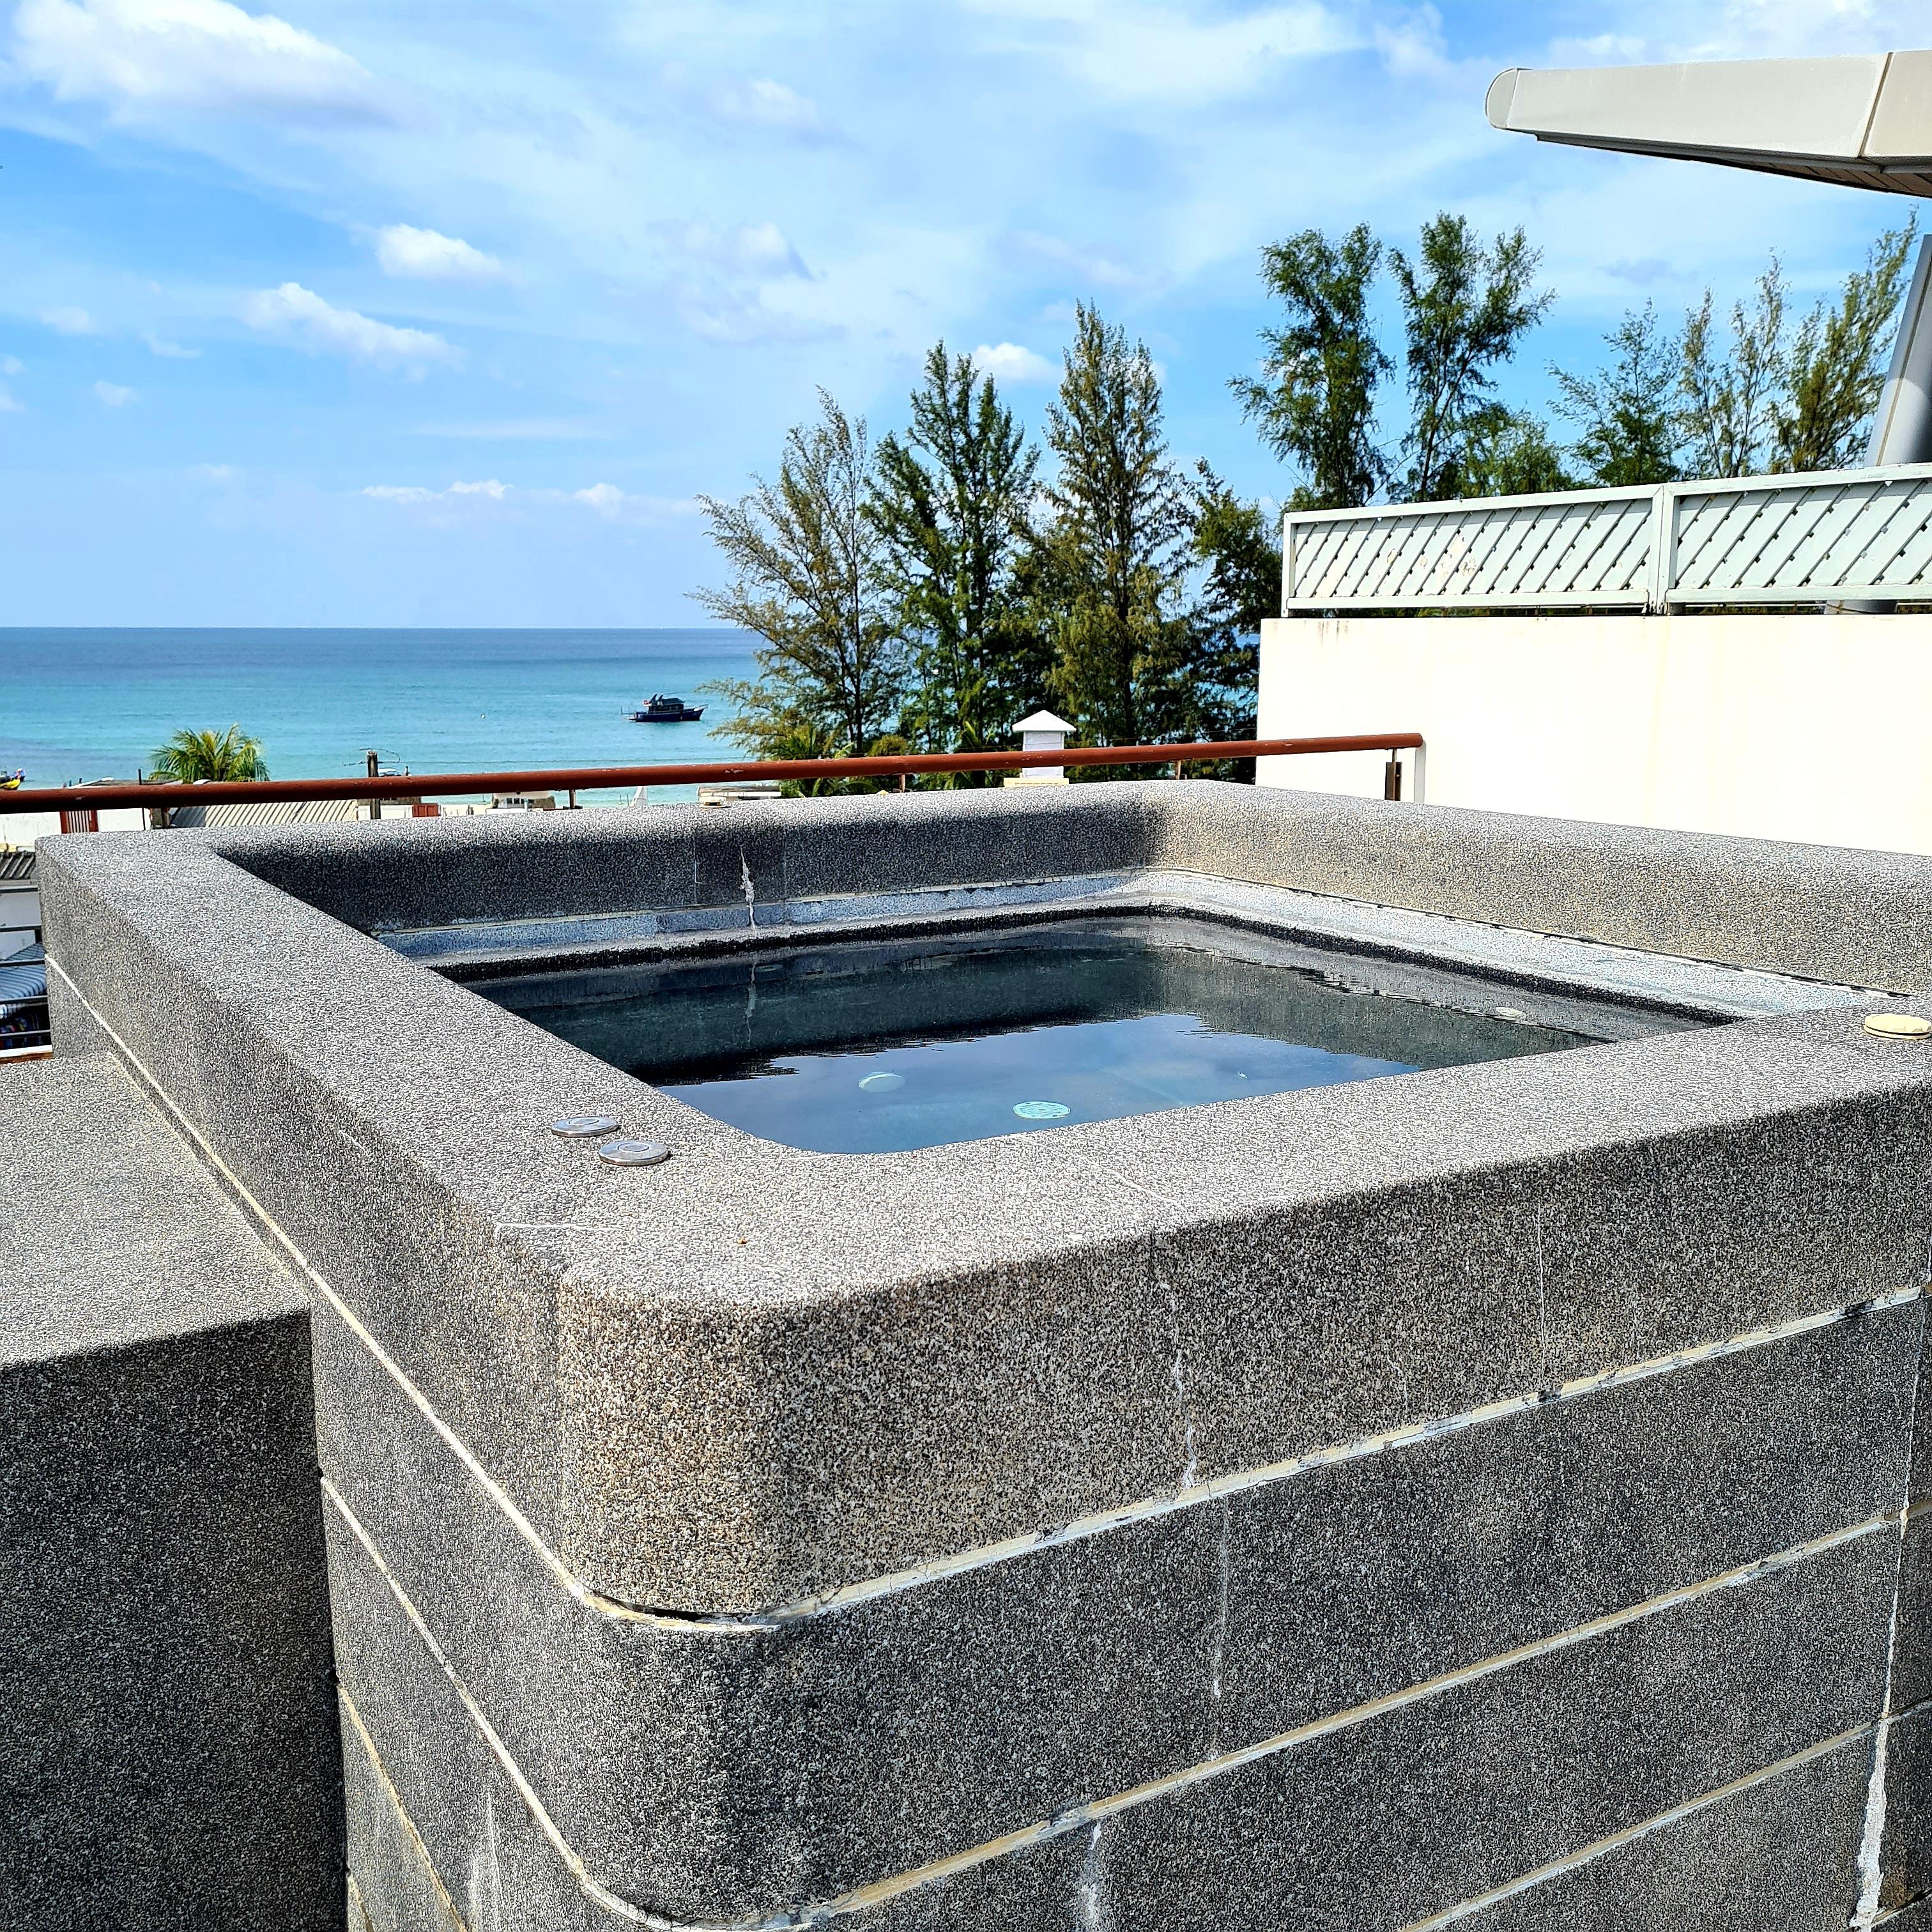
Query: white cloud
x=1130, y=52
x=613, y=504
x=1008, y=362
x=420, y=254
x=215, y=473
x=172, y=350
x=116, y=395
x=8, y=407
x=12, y=365
x=69, y=321
x=1092, y=265
x=770, y=104
x=758, y=250
x=302, y=316
x=201, y=55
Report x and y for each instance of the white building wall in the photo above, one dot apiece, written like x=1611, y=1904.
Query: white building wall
x=1806, y=727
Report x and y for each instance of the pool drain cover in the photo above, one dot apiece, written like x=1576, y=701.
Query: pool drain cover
x=633, y=1153
x=1042, y=1110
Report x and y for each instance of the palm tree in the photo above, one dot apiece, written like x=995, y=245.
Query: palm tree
x=189, y=755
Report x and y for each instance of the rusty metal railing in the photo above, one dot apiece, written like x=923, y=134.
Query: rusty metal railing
x=74, y=801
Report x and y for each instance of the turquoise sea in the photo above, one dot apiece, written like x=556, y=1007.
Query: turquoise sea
x=80, y=704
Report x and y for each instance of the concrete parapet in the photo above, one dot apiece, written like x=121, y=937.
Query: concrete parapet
x=165, y=1689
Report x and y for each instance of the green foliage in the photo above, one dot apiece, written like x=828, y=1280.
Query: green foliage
x=1316, y=408
x=1237, y=550
x=1836, y=370
x=1510, y=454
x=191, y=756
x=1465, y=309
x=949, y=502
x=1106, y=573
x=1729, y=414
x=806, y=558
x=1628, y=412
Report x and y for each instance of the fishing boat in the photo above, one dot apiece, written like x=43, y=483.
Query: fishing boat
x=661, y=710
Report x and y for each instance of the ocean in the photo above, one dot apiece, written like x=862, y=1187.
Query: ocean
x=80, y=704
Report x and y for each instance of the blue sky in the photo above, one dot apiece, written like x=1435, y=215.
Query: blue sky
x=397, y=312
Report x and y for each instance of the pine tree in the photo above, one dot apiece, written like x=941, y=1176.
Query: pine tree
x=1510, y=454
x=806, y=559
x=1836, y=370
x=1108, y=574
x=1628, y=412
x=950, y=502
x=1316, y=409
x=1464, y=307
x=1237, y=549
x=1728, y=417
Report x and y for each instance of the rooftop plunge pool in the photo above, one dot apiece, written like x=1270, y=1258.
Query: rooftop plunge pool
x=882, y=1044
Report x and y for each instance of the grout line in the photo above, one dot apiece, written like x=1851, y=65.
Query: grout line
x=399, y=1807
x=1562, y=1867
x=983, y=1556
x=1096, y=1811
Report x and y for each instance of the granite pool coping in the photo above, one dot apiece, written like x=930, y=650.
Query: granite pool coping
x=757, y=1375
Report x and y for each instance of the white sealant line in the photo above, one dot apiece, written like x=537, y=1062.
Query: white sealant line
x=397, y=1805
x=1089, y=1817
x=1561, y=1867
x=1189, y=1496
x=1871, y=1842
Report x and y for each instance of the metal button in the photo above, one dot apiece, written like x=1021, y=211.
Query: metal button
x=633, y=1153
x=585, y=1126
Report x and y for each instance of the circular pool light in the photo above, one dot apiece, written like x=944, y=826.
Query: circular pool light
x=1042, y=1110
x=1897, y=1026
x=633, y=1153
x=882, y=1083
x=585, y=1126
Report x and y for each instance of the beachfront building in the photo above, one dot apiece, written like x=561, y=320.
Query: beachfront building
x=1730, y=656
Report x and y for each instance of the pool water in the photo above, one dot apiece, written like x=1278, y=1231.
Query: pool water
x=885, y=1045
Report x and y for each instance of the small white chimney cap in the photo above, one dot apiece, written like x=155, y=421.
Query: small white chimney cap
x=1042, y=721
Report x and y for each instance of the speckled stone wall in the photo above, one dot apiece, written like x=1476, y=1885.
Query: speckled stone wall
x=1481, y=1496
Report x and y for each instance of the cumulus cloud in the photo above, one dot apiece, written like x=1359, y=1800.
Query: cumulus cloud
x=215, y=473
x=8, y=407
x=172, y=350
x=300, y=315
x=69, y=321
x=205, y=55
x=400, y=493
x=1008, y=362
x=12, y=365
x=490, y=488
x=116, y=395
x=422, y=255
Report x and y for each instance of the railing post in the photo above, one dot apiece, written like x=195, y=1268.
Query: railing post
x=1663, y=550
x=1392, y=777
x=1287, y=561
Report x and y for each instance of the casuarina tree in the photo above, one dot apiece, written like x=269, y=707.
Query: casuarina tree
x=950, y=501
x=806, y=556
